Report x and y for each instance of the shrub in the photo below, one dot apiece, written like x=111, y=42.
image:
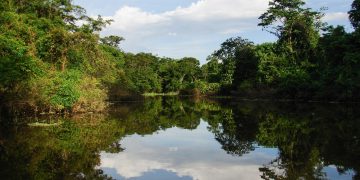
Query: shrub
x=92, y=96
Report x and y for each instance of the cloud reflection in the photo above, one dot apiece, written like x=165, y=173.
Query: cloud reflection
x=187, y=153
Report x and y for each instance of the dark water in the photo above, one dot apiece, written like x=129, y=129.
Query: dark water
x=169, y=138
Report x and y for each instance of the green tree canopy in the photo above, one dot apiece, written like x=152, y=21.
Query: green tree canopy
x=113, y=41
x=354, y=14
x=296, y=27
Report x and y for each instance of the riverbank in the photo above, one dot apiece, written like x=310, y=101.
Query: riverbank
x=23, y=109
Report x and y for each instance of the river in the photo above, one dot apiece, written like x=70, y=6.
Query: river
x=200, y=139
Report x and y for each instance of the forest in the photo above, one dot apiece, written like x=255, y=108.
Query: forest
x=53, y=60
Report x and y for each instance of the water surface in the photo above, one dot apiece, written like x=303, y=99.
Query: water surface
x=172, y=138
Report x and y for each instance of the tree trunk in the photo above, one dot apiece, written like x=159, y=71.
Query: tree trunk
x=182, y=78
x=63, y=62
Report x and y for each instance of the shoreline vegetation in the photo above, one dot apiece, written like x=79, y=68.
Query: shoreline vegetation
x=50, y=64
x=160, y=94
x=39, y=124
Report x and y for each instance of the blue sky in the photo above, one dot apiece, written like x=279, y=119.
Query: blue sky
x=179, y=28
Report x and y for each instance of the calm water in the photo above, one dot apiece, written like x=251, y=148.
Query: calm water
x=169, y=138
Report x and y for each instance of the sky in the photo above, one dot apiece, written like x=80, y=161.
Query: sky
x=193, y=28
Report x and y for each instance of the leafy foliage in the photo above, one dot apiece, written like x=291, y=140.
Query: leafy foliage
x=354, y=14
x=112, y=40
x=50, y=62
x=301, y=64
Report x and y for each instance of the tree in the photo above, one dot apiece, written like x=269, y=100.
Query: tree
x=56, y=45
x=339, y=63
x=246, y=66
x=270, y=64
x=189, y=70
x=141, y=70
x=296, y=27
x=112, y=40
x=170, y=75
x=227, y=56
x=16, y=65
x=211, y=70
x=95, y=25
x=46, y=59
x=354, y=14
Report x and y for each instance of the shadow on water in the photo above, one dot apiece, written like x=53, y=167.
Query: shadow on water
x=310, y=137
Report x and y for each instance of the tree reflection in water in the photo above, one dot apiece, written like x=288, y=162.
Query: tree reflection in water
x=309, y=137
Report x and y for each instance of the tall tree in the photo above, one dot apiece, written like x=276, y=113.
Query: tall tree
x=113, y=41
x=296, y=27
x=189, y=70
x=354, y=14
x=246, y=63
x=141, y=70
x=211, y=70
x=226, y=55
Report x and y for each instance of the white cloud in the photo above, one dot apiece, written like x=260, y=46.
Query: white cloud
x=196, y=154
x=172, y=34
x=132, y=166
x=196, y=29
x=131, y=18
x=205, y=22
x=128, y=18
x=336, y=16
x=220, y=9
x=232, y=31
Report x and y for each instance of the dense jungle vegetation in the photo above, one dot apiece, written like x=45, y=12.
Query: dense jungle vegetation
x=52, y=59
